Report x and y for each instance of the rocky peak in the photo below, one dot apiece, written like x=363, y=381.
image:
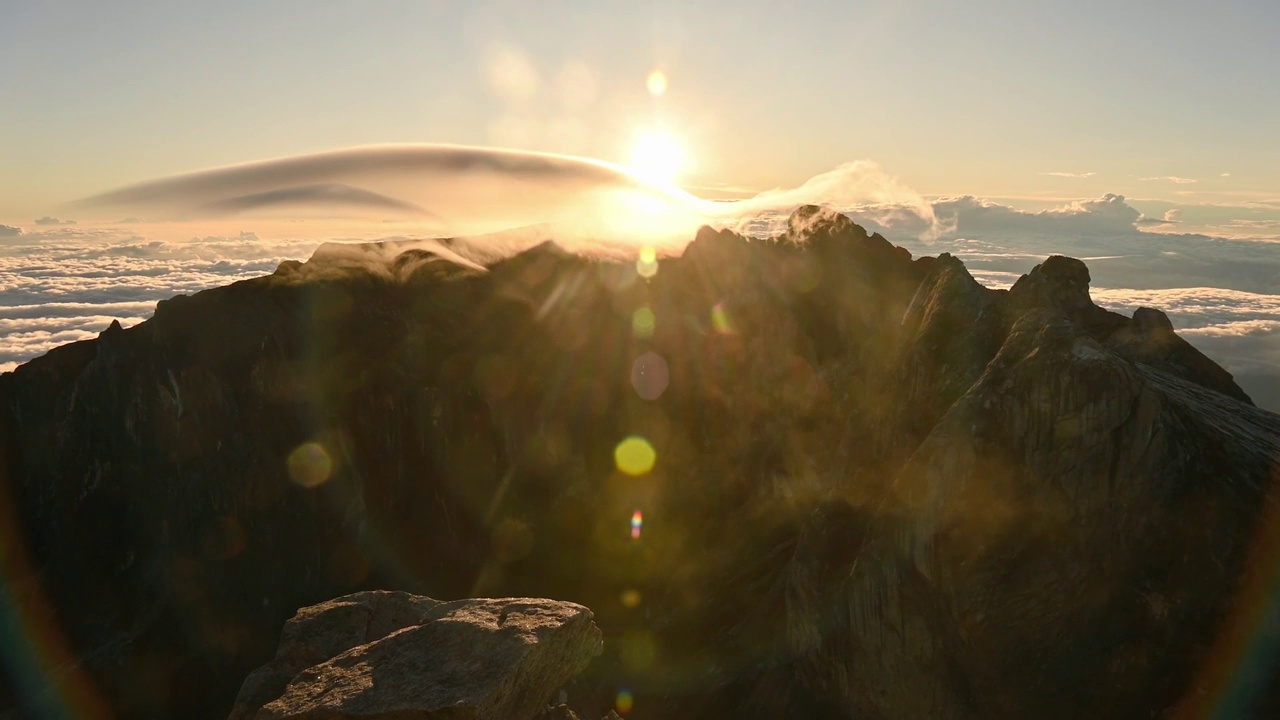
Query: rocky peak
x=1152, y=322
x=790, y=479
x=1059, y=283
x=810, y=221
x=833, y=235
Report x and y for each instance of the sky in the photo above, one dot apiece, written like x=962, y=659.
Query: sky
x=1142, y=137
x=1026, y=101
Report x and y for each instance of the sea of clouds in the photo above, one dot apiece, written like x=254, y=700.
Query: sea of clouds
x=60, y=285
x=61, y=282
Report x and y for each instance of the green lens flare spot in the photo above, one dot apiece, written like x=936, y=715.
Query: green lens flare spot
x=642, y=323
x=721, y=321
x=635, y=456
x=309, y=465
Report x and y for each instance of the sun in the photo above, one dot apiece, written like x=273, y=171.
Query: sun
x=657, y=157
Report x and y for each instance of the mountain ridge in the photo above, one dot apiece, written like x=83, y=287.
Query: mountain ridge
x=846, y=437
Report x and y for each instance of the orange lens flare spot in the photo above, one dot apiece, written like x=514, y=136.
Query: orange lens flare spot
x=624, y=702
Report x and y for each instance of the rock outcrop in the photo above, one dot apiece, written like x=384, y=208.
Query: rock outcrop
x=387, y=654
x=796, y=477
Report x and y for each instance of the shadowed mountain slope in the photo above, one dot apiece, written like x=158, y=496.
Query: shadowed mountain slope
x=857, y=484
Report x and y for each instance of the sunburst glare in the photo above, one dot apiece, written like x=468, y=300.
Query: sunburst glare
x=658, y=157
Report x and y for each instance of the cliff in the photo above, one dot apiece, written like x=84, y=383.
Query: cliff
x=857, y=484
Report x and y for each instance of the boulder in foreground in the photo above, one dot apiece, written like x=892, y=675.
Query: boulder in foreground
x=396, y=655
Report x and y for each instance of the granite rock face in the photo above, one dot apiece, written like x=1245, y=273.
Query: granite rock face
x=866, y=486
x=395, y=655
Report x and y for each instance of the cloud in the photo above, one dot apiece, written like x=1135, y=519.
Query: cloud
x=971, y=216
x=465, y=191
x=63, y=284
x=1206, y=309
x=48, y=220
x=1225, y=175
x=480, y=189
x=1070, y=174
x=1223, y=295
x=860, y=189
x=461, y=190
x=1171, y=178
x=10, y=231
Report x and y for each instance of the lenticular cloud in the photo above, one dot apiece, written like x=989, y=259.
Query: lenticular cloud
x=460, y=190
x=449, y=189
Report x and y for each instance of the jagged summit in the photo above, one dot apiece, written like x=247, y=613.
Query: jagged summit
x=802, y=476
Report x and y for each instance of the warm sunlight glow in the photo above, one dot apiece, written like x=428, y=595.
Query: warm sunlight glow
x=657, y=83
x=657, y=157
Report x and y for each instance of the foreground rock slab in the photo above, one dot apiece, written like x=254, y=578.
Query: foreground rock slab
x=396, y=655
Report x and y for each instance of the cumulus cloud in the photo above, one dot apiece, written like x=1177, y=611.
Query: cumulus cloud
x=1071, y=174
x=49, y=220
x=971, y=216
x=10, y=231
x=860, y=189
x=1003, y=241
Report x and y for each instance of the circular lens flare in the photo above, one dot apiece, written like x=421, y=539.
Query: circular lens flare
x=635, y=456
x=647, y=264
x=650, y=376
x=624, y=701
x=309, y=465
x=642, y=323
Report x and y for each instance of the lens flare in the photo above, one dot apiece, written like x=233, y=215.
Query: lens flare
x=720, y=320
x=650, y=376
x=647, y=264
x=642, y=323
x=624, y=701
x=309, y=465
x=637, y=524
x=635, y=456
x=631, y=598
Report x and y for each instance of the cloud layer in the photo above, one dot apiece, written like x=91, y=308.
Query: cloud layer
x=60, y=282
x=64, y=285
